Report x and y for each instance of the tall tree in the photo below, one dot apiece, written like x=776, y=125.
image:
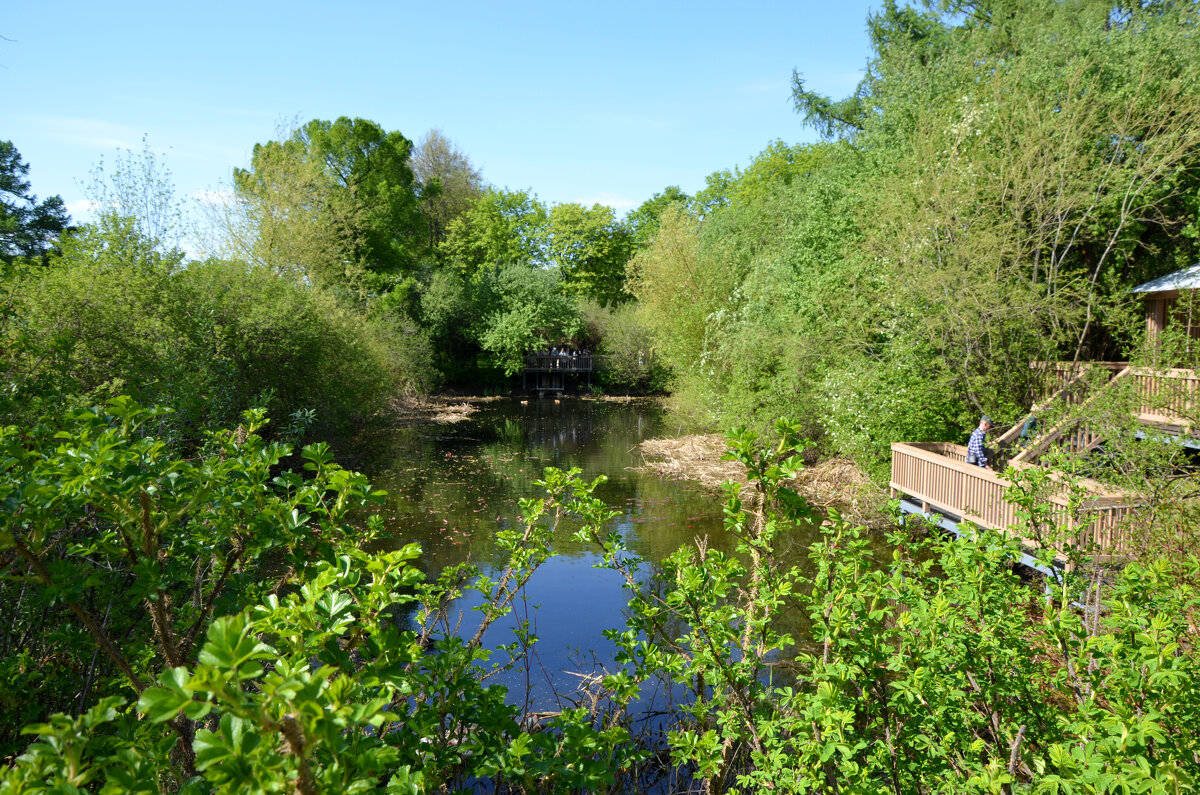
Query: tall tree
x=501, y=227
x=28, y=228
x=590, y=248
x=448, y=182
x=643, y=222
x=521, y=308
x=337, y=201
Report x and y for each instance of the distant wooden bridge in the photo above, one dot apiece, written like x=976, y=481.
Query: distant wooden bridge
x=550, y=370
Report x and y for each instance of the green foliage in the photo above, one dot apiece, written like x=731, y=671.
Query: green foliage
x=449, y=184
x=1004, y=174
x=678, y=284
x=314, y=687
x=936, y=669
x=868, y=403
x=113, y=315
x=117, y=555
x=501, y=228
x=135, y=200
x=590, y=248
x=522, y=309
x=336, y=201
x=28, y=228
x=643, y=221
x=631, y=364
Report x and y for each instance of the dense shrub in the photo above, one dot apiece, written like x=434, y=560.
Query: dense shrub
x=112, y=315
x=935, y=670
x=631, y=362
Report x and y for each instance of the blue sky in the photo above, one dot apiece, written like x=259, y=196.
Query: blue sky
x=588, y=102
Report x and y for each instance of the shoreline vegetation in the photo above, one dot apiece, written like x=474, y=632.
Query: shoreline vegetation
x=186, y=611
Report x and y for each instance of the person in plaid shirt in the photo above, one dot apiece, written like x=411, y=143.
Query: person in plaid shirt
x=976, y=453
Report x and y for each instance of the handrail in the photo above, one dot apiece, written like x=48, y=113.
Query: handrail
x=1162, y=402
x=1009, y=436
x=1043, y=442
x=934, y=474
x=1064, y=372
x=560, y=362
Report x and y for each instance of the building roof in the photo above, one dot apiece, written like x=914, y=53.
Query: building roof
x=1186, y=279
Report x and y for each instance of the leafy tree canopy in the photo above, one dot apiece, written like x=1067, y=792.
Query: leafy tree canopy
x=643, y=222
x=448, y=182
x=501, y=227
x=28, y=228
x=1002, y=175
x=590, y=248
x=338, y=201
x=521, y=309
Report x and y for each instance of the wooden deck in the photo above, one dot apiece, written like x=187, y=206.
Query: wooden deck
x=1166, y=400
x=1168, y=397
x=936, y=475
x=937, y=478
x=549, y=371
x=559, y=363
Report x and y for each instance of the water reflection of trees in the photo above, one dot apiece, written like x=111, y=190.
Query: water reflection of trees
x=453, y=487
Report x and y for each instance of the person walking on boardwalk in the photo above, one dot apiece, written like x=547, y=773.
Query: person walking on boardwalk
x=976, y=453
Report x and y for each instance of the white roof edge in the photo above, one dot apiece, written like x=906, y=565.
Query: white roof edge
x=1186, y=279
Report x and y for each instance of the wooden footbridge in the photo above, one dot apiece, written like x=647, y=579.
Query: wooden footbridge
x=934, y=478
x=549, y=371
x=1156, y=404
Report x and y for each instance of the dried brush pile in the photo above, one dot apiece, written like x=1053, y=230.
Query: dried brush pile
x=832, y=483
x=696, y=458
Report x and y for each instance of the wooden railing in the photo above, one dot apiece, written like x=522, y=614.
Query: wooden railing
x=1167, y=396
x=1070, y=433
x=1167, y=399
x=1067, y=381
x=937, y=475
x=559, y=363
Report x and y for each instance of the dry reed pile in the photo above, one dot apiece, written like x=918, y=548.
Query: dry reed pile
x=831, y=483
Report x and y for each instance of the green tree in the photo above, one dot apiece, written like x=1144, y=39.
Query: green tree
x=935, y=669
x=522, y=308
x=1003, y=174
x=28, y=228
x=644, y=220
x=590, y=249
x=502, y=227
x=336, y=201
x=448, y=182
x=673, y=288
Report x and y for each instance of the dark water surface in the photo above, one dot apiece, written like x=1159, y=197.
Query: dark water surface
x=451, y=487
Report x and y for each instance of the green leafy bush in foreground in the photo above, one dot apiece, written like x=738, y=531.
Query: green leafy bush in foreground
x=935, y=671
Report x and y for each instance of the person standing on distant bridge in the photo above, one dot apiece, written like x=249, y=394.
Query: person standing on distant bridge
x=976, y=452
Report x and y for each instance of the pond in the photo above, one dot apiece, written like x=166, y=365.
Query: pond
x=451, y=487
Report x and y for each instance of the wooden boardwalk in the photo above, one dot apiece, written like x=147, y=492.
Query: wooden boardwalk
x=935, y=478
x=550, y=370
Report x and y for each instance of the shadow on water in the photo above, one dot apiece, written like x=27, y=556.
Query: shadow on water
x=451, y=487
